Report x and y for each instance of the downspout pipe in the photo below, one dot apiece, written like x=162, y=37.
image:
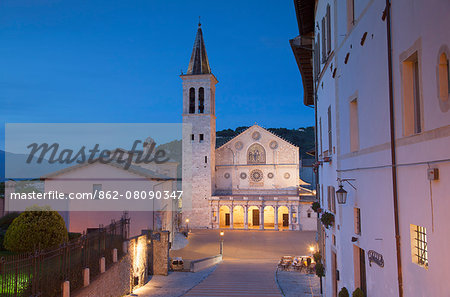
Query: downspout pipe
x=393, y=153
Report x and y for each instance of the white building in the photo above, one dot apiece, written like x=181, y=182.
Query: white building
x=252, y=181
x=379, y=79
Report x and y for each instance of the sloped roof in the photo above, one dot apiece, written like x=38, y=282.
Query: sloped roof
x=133, y=169
x=199, y=63
x=273, y=134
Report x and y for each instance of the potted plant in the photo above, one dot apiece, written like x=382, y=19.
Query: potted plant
x=320, y=270
x=316, y=206
x=344, y=292
x=358, y=293
x=327, y=219
x=317, y=257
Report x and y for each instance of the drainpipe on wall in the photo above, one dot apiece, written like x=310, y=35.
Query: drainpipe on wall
x=316, y=155
x=393, y=154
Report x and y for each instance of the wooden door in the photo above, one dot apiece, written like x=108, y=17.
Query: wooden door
x=255, y=215
x=285, y=220
x=334, y=272
x=227, y=219
x=362, y=270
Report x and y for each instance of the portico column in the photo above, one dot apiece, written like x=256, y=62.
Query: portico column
x=298, y=216
x=290, y=217
x=261, y=217
x=218, y=214
x=246, y=217
x=211, y=217
x=276, y=217
x=231, y=216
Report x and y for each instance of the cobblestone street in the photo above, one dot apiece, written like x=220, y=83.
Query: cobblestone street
x=248, y=269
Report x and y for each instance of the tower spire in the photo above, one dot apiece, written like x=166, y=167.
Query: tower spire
x=199, y=63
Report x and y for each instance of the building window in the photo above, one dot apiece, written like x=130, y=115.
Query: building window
x=411, y=96
x=419, y=249
x=96, y=189
x=201, y=137
x=330, y=135
x=317, y=57
x=201, y=100
x=308, y=214
x=206, y=159
x=192, y=137
x=444, y=77
x=320, y=134
x=357, y=220
x=191, y=100
x=350, y=14
x=331, y=199
x=354, y=126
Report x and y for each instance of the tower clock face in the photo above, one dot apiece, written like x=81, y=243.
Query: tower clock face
x=256, y=175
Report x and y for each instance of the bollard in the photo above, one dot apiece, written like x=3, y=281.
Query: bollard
x=102, y=264
x=86, y=279
x=125, y=247
x=114, y=255
x=66, y=289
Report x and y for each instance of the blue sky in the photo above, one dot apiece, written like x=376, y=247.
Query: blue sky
x=119, y=61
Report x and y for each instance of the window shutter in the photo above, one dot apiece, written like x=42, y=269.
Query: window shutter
x=330, y=136
x=328, y=30
x=324, y=46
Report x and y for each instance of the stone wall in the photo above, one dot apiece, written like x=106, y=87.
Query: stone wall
x=115, y=282
x=204, y=263
x=161, y=254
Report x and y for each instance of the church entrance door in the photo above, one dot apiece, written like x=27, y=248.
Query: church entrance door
x=285, y=220
x=255, y=215
x=227, y=219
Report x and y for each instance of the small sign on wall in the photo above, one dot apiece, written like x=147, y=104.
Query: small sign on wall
x=375, y=258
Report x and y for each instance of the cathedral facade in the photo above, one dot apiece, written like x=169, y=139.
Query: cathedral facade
x=250, y=182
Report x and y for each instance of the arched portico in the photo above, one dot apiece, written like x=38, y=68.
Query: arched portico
x=283, y=217
x=258, y=213
x=224, y=217
x=269, y=217
x=253, y=217
x=238, y=217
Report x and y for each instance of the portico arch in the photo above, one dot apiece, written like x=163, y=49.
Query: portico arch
x=269, y=217
x=224, y=217
x=253, y=217
x=238, y=217
x=283, y=217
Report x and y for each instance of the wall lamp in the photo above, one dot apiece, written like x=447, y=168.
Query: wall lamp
x=341, y=194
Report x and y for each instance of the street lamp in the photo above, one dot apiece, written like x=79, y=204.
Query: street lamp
x=187, y=225
x=311, y=249
x=341, y=194
x=221, y=242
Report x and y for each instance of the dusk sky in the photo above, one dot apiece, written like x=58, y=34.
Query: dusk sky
x=119, y=61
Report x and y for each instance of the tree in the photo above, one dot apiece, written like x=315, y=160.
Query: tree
x=344, y=292
x=358, y=293
x=35, y=228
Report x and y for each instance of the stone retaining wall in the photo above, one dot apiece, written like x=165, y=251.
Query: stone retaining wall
x=204, y=263
x=114, y=282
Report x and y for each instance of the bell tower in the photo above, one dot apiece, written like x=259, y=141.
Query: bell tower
x=199, y=136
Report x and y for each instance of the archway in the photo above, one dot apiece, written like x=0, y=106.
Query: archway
x=269, y=217
x=283, y=217
x=224, y=217
x=238, y=217
x=253, y=217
